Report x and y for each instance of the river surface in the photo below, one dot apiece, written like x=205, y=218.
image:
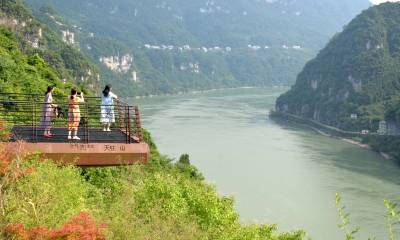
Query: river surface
x=280, y=174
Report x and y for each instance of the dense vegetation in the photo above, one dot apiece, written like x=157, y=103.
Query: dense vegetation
x=356, y=73
x=33, y=56
x=234, y=24
x=161, y=200
x=19, y=72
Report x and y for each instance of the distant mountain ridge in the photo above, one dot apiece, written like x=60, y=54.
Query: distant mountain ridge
x=156, y=46
x=354, y=82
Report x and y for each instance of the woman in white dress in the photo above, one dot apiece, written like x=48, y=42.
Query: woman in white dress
x=107, y=108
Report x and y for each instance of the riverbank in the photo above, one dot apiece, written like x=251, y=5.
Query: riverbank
x=203, y=91
x=360, y=144
x=370, y=142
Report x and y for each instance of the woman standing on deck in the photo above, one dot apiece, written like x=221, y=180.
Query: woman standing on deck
x=47, y=113
x=74, y=113
x=107, y=108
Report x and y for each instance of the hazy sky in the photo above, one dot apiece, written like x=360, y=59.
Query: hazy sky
x=381, y=1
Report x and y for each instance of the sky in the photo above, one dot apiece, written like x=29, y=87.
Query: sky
x=381, y=1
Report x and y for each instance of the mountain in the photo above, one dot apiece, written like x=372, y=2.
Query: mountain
x=354, y=82
x=147, y=47
x=33, y=56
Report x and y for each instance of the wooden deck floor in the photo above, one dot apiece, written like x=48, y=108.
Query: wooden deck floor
x=60, y=135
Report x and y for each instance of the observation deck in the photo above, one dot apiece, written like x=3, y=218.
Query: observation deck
x=123, y=145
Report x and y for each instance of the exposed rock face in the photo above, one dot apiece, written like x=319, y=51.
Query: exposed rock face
x=68, y=37
x=316, y=115
x=191, y=67
x=357, y=84
x=314, y=84
x=8, y=22
x=120, y=64
x=368, y=45
x=32, y=37
x=134, y=76
x=89, y=79
x=34, y=42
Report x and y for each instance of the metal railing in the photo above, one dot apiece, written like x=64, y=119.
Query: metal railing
x=24, y=112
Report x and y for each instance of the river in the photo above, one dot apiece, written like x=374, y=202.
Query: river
x=280, y=174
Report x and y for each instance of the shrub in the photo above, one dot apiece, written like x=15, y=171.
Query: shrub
x=78, y=227
x=392, y=219
x=4, y=131
x=184, y=166
x=5, y=158
x=49, y=196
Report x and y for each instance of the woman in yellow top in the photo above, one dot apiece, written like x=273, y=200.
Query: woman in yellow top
x=74, y=113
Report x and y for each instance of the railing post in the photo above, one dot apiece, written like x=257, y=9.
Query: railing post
x=138, y=124
x=119, y=109
x=87, y=123
x=128, y=120
x=34, y=121
x=126, y=123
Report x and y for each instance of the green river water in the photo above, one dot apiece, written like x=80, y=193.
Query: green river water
x=279, y=174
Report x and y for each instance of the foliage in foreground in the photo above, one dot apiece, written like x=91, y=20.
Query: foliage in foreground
x=392, y=220
x=161, y=200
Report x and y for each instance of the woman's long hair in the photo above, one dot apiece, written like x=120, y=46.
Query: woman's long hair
x=73, y=92
x=107, y=90
x=49, y=89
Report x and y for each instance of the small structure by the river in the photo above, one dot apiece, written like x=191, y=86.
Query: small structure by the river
x=365, y=132
x=382, y=130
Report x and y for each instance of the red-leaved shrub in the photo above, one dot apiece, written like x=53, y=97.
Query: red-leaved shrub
x=4, y=131
x=5, y=158
x=11, y=152
x=81, y=227
x=11, y=157
x=5, y=152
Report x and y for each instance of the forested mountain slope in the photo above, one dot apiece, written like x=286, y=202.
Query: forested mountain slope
x=169, y=46
x=354, y=82
x=33, y=56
